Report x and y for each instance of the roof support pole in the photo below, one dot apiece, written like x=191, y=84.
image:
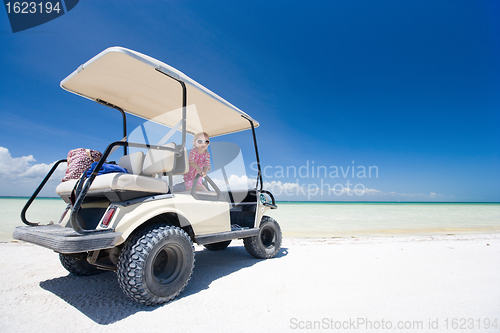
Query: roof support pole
x=184, y=104
x=259, y=178
x=184, y=99
x=124, y=117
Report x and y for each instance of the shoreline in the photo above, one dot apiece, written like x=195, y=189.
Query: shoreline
x=341, y=239
x=363, y=234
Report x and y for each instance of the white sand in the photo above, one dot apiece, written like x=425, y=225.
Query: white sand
x=412, y=281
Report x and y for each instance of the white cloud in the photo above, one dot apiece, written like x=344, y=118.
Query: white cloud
x=296, y=191
x=20, y=177
x=431, y=195
x=287, y=188
x=236, y=182
x=311, y=191
x=373, y=191
x=13, y=166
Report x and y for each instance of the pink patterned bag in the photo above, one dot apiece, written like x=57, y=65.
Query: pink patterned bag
x=79, y=160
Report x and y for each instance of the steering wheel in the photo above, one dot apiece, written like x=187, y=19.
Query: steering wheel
x=201, y=196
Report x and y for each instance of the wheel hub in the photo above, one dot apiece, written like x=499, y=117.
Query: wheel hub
x=167, y=265
x=268, y=237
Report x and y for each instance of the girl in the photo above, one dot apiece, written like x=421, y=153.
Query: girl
x=199, y=162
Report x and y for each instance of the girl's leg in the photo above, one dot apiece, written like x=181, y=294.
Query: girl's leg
x=188, y=184
x=201, y=188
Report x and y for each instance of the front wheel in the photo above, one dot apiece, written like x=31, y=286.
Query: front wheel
x=268, y=242
x=156, y=264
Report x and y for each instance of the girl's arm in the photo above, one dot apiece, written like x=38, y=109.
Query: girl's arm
x=202, y=172
x=205, y=170
x=206, y=167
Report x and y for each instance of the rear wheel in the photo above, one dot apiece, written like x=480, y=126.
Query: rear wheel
x=156, y=264
x=268, y=242
x=78, y=265
x=217, y=246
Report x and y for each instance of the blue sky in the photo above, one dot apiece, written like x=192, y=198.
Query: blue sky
x=409, y=87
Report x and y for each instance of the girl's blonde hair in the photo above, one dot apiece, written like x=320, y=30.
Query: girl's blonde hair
x=200, y=134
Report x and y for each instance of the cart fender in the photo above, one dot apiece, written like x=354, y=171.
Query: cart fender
x=129, y=222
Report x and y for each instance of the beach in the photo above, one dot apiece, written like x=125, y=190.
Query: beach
x=368, y=267
x=367, y=284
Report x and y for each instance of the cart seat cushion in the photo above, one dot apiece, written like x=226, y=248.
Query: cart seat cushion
x=132, y=162
x=181, y=163
x=159, y=161
x=118, y=182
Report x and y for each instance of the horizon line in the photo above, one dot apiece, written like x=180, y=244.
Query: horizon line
x=308, y=201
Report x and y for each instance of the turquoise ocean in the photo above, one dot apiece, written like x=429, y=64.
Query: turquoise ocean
x=320, y=219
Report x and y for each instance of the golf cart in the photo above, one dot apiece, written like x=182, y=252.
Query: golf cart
x=135, y=223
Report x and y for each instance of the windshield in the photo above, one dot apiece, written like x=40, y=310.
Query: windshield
x=231, y=156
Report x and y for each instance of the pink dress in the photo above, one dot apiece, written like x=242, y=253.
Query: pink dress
x=201, y=160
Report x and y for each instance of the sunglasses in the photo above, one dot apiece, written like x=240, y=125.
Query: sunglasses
x=200, y=142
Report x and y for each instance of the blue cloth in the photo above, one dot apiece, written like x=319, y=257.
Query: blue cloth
x=106, y=168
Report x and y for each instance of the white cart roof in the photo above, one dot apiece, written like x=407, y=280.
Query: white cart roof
x=135, y=83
